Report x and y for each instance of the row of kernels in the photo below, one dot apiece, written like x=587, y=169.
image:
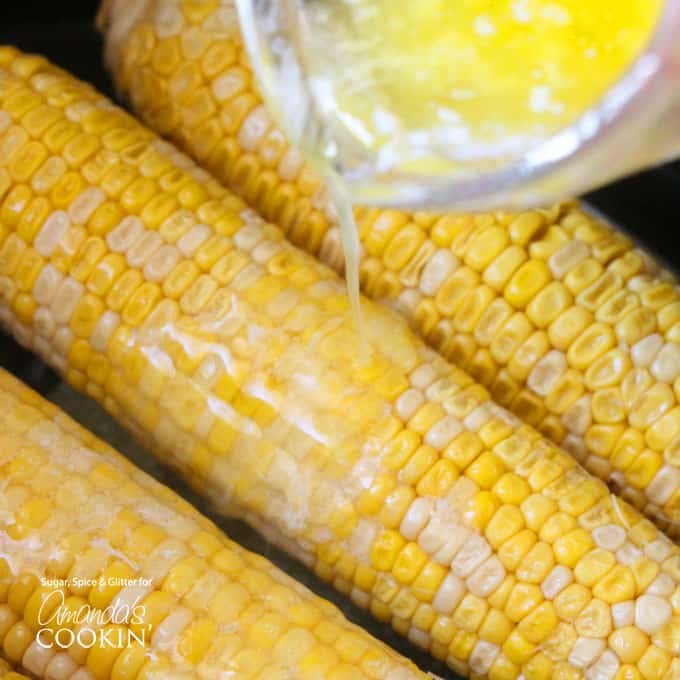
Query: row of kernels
x=422, y=381
x=241, y=116
x=192, y=646
x=65, y=320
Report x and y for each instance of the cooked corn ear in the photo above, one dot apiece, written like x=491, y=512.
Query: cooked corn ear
x=562, y=318
x=162, y=593
x=233, y=356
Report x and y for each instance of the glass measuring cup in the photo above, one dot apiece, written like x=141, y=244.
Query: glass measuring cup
x=633, y=125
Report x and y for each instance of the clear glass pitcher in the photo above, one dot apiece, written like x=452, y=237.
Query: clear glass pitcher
x=634, y=125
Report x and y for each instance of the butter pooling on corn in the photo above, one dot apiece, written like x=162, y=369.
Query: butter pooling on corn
x=562, y=318
x=232, y=355
x=75, y=511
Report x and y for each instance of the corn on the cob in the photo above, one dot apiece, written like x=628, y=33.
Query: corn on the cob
x=83, y=530
x=566, y=323
x=233, y=356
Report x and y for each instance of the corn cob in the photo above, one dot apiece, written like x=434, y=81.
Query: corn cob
x=567, y=324
x=233, y=356
x=80, y=521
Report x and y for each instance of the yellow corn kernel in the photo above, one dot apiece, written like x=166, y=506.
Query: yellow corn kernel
x=539, y=624
x=571, y=601
x=628, y=672
x=408, y=564
x=464, y=449
x=420, y=462
x=629, y=643
x=524, y=598
x=505, y=523
x=643, y=469
x=617, y=586
x=518, y=649
x=539, y=667
x=538, y=563
x=486, y=470
x=571, y=547
x=484, y=507
x=385, y=550
x=470, y=613
x=511, y=489
x=594, y=621
x=514, y=550
x=438, y=480
x=373, y=499
x=500, y=271
x=536, y=510
x=525, y=284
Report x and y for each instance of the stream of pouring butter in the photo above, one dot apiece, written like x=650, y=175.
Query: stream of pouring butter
x=341, y=200
x=349, y=236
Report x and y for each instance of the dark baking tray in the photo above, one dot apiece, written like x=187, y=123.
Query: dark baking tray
x=647, y=206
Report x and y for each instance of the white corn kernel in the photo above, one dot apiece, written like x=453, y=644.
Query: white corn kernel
x=664, y=485
x=67, y=297
x=166, y=633
x=168, y=22
x=478, y=417
x=585, y=651
x=623, y=613
x=567, y=257
x=161, y=263
x=651, y=613
x=416, y=518
x=578, y=417
x=61, y=667
x=437, y=270
x=194, y=239
x=605, y=668
x=643, y=352
x=471, y=554
x=486, y=578
x=144, y=249
x=610, y=537
x=36, y=658
x=628, y=554
x=419, y=638
x=666, y=365
x=547, y=372
x=449, y=594
x=83, y=207
x=662, y=586
x=440, y=435
x=47, y=284
x=104, y=330
x=254, y=128
x=556, y=581
x=51, y=233
x=126, y=234
x=408, y=403
x=482, y=657
x=424, y=376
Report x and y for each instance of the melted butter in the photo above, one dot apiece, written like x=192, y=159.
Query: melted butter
x=342, y=203
x=349, y=236
x=467, y=79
